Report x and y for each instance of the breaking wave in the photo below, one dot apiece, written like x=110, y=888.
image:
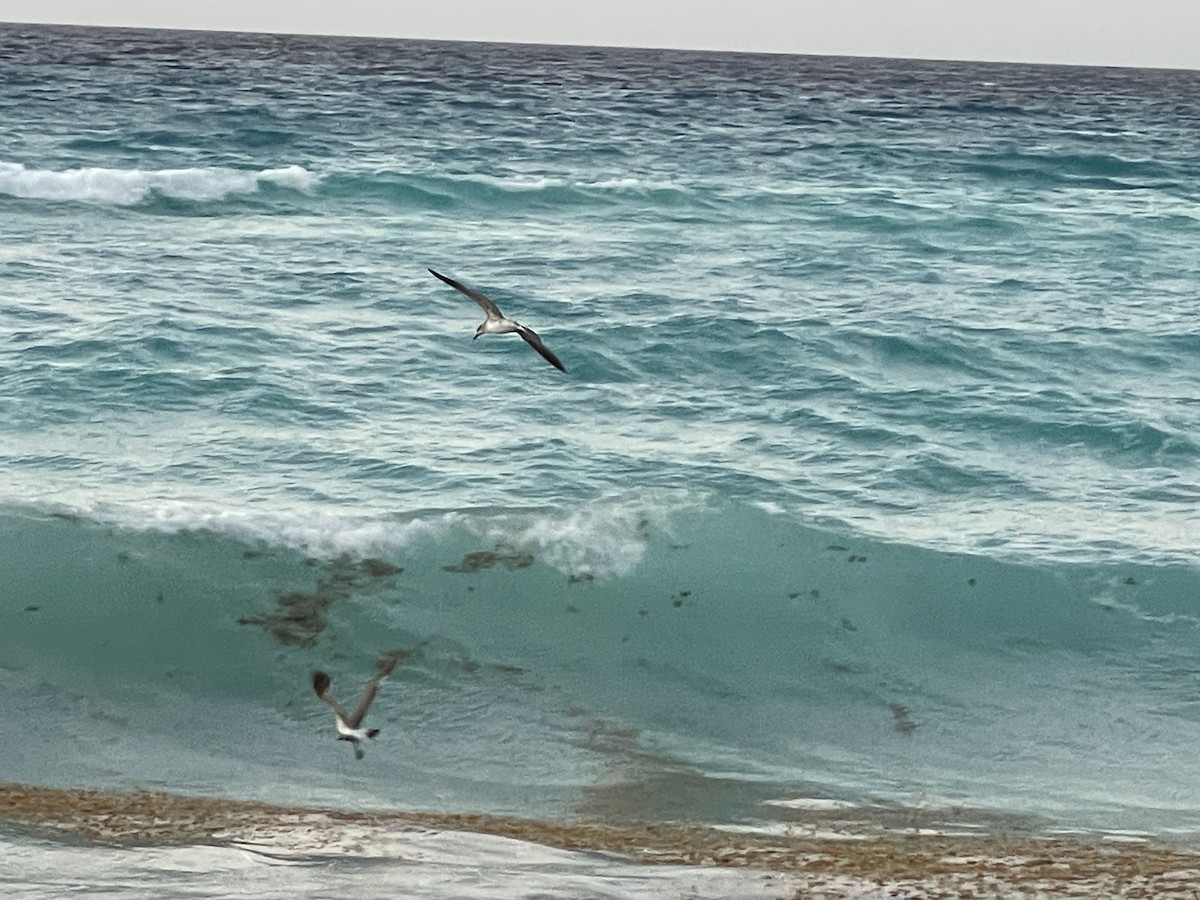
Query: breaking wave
x=129, y=187
x=717, y=639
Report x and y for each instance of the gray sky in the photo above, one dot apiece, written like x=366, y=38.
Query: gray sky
x=1093, y=32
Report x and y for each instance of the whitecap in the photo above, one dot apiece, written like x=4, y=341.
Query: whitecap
x=128, y=187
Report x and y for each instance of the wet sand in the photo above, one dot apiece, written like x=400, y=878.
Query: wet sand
x=799, y=861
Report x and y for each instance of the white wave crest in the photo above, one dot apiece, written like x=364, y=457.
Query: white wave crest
x=127, y=187
x=604, y=539
x=321, y=534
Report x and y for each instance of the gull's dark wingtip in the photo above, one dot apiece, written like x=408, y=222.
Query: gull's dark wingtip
x=533, y=340
x=320, y=683
x=549, y=355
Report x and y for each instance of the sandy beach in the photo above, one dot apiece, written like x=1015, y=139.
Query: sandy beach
x=803, y=862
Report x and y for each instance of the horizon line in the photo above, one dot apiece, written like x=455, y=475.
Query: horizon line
x=586, y=46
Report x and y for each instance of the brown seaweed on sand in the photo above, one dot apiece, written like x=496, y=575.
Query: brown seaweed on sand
x=891, y=862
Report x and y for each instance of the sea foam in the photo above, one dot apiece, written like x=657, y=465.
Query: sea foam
x=128, y=187
x=601, y=539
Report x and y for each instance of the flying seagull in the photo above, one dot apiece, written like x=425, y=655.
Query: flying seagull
x=349, y=725
x=497, y=323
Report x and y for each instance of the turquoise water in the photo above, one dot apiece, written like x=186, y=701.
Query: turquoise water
x=873, y=476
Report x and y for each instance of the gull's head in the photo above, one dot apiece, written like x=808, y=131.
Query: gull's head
x=479, y=330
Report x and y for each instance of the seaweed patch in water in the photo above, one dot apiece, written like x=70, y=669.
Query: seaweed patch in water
x=902, y=722
x=299, y=616
x=508, y=557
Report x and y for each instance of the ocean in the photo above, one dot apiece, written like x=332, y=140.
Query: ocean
x=866, y=509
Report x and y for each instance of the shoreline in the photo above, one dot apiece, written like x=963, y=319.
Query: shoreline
x=801, y=859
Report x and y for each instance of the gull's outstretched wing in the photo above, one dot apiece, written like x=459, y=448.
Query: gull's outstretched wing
x=382, y=671
x=320, y=683
x=482, y=299
x=532, y=339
